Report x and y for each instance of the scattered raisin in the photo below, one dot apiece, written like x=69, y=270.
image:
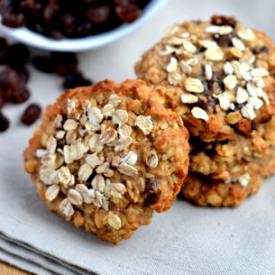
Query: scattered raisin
x=20, y=95
x=43, y=63
x=23, y=74
x=64, y=63
x=76, y=80
x=31, y=114
x=3, y=44
x=4, y=123
x=13, y=76
x=17, y=55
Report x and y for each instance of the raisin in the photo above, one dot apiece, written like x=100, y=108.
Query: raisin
x=128, y=13
x=223, y=40
x=152, y=192
x=30, y=7
x=4, y=5
x=50, y=13
x=4, y=123
x=75, y=80
x=253, y=125
x=31, y=114
x=20, y=95
x=44, y=64
x=220, y=20
x=244, y=127
x=17, y=55
x=99, y=14
x=68, y=22
x=263, y=49
x=9, y=83
x=61, y=143
x=13, y=20
x=68, y=57
x=265, y=119
x=23, y=74
x=64, y=69
x=56, y=35
x=64, y=63
x=3, y=44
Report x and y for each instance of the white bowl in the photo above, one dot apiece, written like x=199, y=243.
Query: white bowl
x=33, y=39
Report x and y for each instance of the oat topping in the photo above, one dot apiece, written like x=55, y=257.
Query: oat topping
x=199, y=62
x=242, y=180
x=114, y=221
x=108, y=110
x=230, y=82
x=189, y=98
x=246, y=34
x=52, y=192
x=193, y=85
x=242, y=95
x=130, y=158
x=66, y=208
x=199, y=113
x=127, y=169
x=228, y=68
x=208, y=71
x=214, y=54
x=70, y=125
x=89, y=147
x=120, y=117
x=152, y=159
x=172, y=65
x=224, y=101
x=88, y=195
x=145, y=124
x=85, y=171
x=238, y=44
x=75, y=197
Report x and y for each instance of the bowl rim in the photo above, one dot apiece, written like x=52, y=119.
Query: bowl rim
x=36, y=40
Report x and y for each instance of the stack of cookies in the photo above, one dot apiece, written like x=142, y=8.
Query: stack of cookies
x=107, y=156
x=220, y=79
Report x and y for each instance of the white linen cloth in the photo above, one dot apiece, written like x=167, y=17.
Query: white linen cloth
x=185, y=240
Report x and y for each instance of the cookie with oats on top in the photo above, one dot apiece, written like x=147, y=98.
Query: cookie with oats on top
x=219, y=77
x=106, y=157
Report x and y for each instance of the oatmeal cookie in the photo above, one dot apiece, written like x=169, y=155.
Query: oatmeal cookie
x=107, y=156
x=219, y=77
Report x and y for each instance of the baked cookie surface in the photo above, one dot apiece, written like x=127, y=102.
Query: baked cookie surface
x=219, y=77
x=107, y=156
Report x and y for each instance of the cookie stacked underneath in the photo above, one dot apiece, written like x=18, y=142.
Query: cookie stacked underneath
x=106, y=156
x=219, y=77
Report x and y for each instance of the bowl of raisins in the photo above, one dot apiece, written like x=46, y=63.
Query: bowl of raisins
x=73, y=25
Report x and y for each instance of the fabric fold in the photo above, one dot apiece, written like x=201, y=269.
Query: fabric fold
x=37, y=258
